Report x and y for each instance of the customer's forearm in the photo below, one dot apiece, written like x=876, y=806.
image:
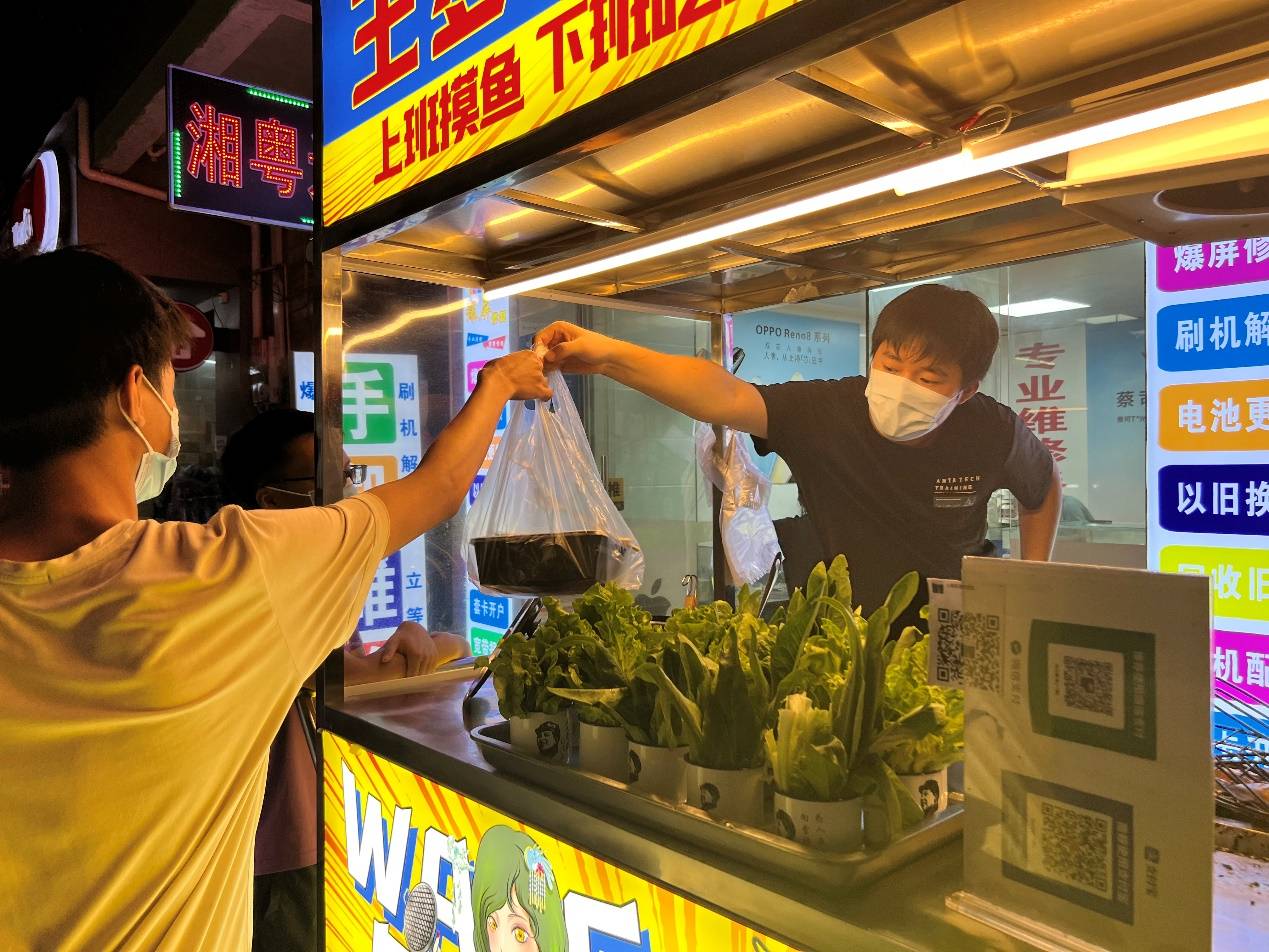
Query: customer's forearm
x=435, y=490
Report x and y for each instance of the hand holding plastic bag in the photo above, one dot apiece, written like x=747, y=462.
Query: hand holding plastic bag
x=749, y=536
x=543, y=523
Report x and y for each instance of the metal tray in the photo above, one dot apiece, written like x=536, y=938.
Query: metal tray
x=807, y=867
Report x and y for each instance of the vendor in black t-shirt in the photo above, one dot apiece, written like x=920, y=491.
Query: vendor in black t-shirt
x=895, y=469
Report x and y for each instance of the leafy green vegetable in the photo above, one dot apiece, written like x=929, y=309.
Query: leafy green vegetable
x=833, y=699
x=725, y=694
x=907, y=690
x=807, y=758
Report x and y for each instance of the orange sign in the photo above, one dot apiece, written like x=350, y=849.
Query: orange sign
x=1215, y=416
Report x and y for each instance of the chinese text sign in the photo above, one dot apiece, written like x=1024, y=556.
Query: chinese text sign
x=382, y=431
x=411, y=88
x=239, y=151
x=1208, y=480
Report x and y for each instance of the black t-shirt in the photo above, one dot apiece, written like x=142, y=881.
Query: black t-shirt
x=893, y=507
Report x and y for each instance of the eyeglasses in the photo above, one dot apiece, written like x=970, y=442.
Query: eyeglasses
x=354, y=473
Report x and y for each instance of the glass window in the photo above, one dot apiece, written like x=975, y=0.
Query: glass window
x=402, y=381
x=644, y=451
x=1071, y=363
x=818, y=340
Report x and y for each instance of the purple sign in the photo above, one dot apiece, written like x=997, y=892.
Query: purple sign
x=1242, y=660
x=1214, y=264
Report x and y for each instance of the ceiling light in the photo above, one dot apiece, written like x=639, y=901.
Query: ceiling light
x=976, y=159
x=701, y=236
x=980, y=159
x=1110, y=319
x=1037, y=306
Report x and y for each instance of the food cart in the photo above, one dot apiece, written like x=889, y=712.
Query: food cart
x=665, y=164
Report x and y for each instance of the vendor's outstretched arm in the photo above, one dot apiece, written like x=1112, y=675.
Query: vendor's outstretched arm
x=433, y=492
x=699, y=388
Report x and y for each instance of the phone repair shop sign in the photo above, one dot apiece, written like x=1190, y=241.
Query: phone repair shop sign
x=35, y=224
x=239, y=151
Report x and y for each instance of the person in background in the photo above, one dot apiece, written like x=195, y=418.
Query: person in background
x=270, y=463
x=894, y=469
x=146, y=667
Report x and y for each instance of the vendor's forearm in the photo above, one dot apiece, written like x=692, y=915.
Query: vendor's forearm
x=696, y=387
x=1038, y=527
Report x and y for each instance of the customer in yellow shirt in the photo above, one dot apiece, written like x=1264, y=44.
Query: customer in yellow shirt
x=145, y=667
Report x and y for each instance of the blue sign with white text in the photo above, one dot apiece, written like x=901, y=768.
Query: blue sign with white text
x=1226, y=500
x=1212, y=335
x=489, y=610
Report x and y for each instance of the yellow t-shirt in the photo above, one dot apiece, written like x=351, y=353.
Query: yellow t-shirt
x=142, y=678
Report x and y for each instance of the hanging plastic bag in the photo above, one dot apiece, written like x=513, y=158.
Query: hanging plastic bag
x=543, y=523
x=749, y=536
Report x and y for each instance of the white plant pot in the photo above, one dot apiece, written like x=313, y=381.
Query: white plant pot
x=837, y=825
x=658, y=771
x=734, y=795
x=602, y=750
x=928, y=790
x=546, y=736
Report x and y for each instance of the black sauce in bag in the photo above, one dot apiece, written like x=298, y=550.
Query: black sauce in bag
x=559, y=563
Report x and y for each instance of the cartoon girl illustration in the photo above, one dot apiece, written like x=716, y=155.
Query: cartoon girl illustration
x=515, y=899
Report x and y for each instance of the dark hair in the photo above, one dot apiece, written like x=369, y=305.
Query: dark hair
x=75, y=321
x=257, y=453
x=941, y=322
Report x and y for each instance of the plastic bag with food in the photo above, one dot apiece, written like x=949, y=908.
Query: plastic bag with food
x=542, y=523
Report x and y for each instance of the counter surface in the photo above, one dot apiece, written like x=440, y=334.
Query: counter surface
x=427, y=733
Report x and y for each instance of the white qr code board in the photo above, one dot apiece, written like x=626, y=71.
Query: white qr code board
x=1088, y=760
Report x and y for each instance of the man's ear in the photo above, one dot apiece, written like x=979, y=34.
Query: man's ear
x=967, y=393
x=266, y=499
x=130, y=395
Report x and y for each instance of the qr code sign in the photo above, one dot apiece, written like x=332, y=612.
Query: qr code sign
x=1075, y=846
x=1087, y=684
x=1072, y=844
x=948, y=660
x=980, y=647
x=967, y=650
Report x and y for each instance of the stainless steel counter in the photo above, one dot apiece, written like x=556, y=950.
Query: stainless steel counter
x=427, y=733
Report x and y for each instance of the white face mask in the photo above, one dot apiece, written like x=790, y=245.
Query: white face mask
x=351, y=489
x=155, y=468
x=902, y=410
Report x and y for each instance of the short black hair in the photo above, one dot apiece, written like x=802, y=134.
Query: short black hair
x=936, y=321
x=257, y=453
x=74, y=322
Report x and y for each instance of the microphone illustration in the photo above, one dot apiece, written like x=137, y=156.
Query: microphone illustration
x=420, y=918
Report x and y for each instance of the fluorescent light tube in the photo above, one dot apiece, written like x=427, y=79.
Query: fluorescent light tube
x=1037, y=306
x=942, y=171
x=966, y=165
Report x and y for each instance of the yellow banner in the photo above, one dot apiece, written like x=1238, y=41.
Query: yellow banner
x=569, y=55
x=1240, y=577
x=397, y=844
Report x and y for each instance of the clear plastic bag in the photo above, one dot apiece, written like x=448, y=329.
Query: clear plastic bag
x=543, y=523
x=749, y=536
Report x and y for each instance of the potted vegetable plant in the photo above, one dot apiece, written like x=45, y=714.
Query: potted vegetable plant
x=815, y=803
x=922, y=764
x=724, y=708
x=524, y=670
x=607, y=639
x=833, y=666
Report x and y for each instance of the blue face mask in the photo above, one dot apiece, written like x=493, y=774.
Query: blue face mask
x=155, y=468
